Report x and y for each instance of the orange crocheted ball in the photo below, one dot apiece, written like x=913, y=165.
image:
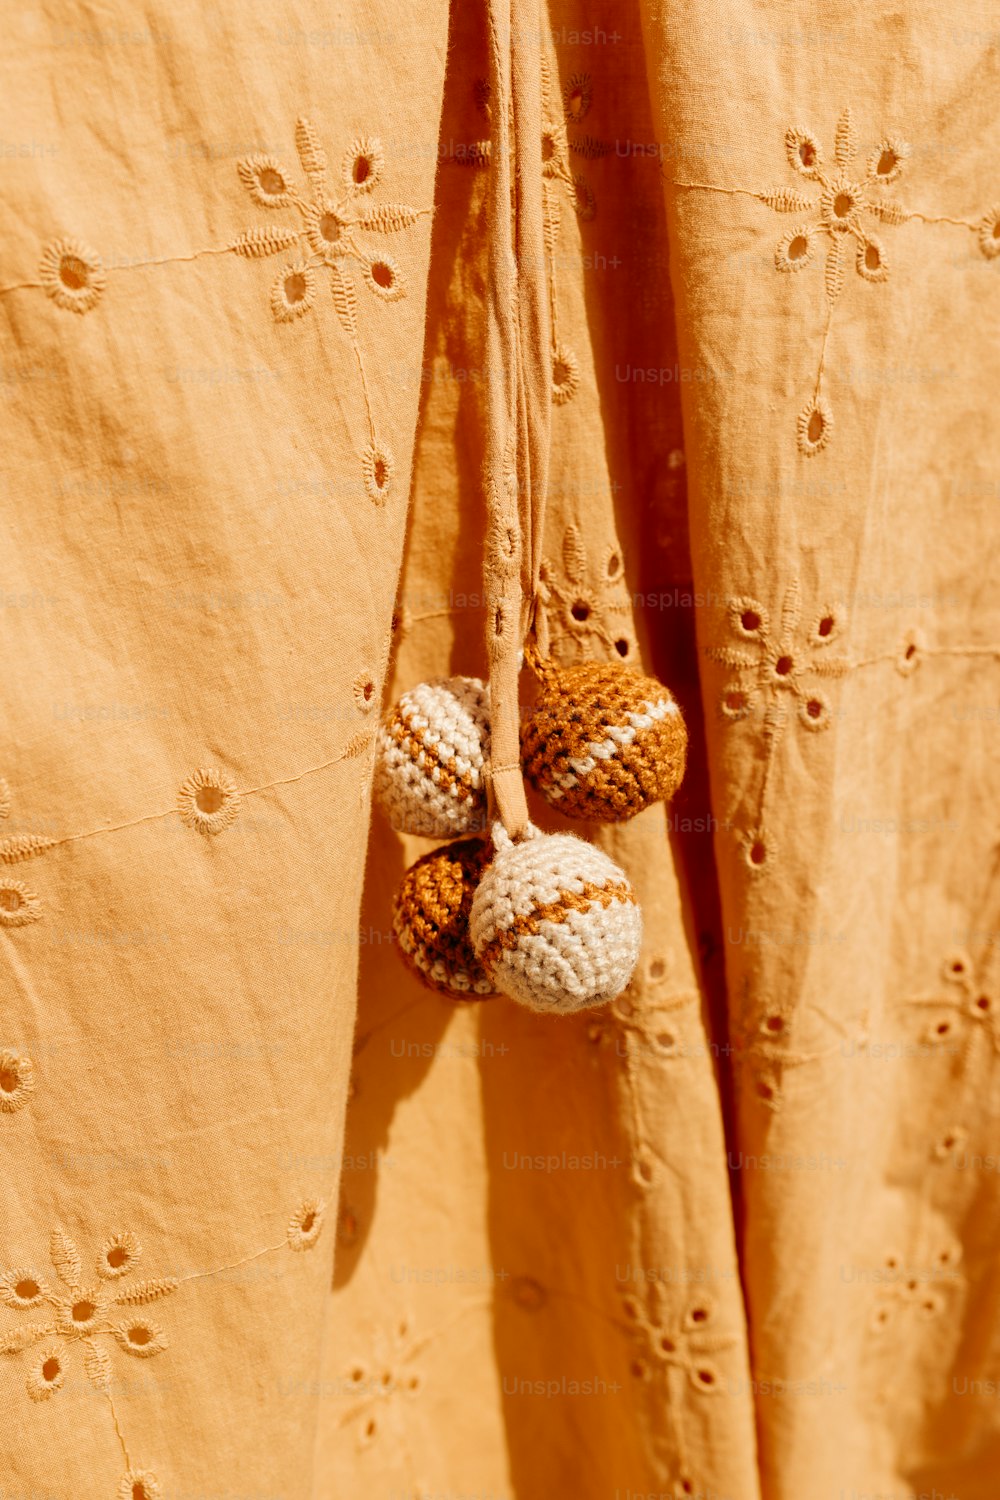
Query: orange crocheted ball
x=430, y=919
x=602, y=742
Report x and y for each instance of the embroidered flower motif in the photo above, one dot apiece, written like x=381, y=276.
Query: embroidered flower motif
x=18, y=905
x=840, y=211
x=22, y=846
x=335, y=227
x=392, y=1376
x=686, y=1345
x=586, y=604
x=72, y=275
x=338, y=229
x=208, y=801
x=964, y=1009
x=917, y=1287
x=17, y=1080
x=851, y=195
x=778, y=670
x=306, y=1224
x=83, y=1314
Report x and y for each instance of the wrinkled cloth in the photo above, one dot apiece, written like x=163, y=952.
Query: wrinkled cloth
x=276, y=1221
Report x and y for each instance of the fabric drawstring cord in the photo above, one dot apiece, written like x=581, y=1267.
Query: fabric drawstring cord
x=519, y=383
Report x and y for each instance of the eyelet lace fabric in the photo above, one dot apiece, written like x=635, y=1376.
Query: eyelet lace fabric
x=347, y=353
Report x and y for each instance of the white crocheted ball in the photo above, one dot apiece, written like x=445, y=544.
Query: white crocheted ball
x=429, y=765
x=555, y=923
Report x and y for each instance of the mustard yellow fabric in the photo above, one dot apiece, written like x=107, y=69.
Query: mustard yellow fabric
x=274, y=1220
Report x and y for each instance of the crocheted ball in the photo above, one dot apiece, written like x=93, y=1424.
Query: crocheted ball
x=429, y=764
x=430, y=919
x=554, y=922
x=603, y=742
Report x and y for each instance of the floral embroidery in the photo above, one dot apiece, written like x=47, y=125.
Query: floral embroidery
x=915, y=1289
x=208, y=801
x=851, y=196
x=686, y=1345
x=762, y=1043
x=265, y=181
x=371, y=1390
x=970, y=1009
x=840, y=214
x=17, y=1080
x=294, y=292
x=839, y=211
x=87, y=1316
x=335, y=226
x=338, y=229
x=72, y=275
x=650, y=1030
x=778, y=667
x=557, y=142
x=773, y=670
x=586, y=604
x=82, y=1314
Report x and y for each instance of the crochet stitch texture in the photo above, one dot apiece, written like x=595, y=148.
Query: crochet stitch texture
x=430, y=919
x=431, y=751
x=603, y=742
x=554, y=923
